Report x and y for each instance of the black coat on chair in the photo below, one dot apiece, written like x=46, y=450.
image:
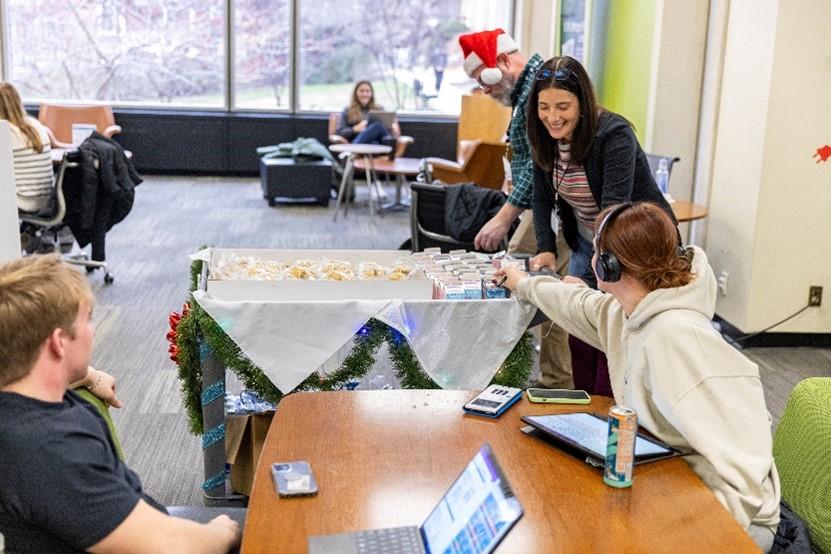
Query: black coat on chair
x=101, y=194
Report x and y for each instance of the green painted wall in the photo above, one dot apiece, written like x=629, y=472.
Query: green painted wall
x=624, y=86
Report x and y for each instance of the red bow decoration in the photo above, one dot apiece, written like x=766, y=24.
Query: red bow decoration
x=173, y=319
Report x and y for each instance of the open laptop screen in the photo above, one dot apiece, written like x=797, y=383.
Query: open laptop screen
x=475, y=513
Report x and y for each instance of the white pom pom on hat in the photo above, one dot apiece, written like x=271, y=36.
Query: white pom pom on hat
x=483, y=48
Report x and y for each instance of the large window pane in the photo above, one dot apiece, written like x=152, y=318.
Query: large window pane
x=409, y=50
x=262, y=60
x=147, y=51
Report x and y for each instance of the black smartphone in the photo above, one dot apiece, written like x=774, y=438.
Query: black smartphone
x=558, y=396
x=293, y=479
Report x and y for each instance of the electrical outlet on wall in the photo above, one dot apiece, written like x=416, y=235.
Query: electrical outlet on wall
x=723, y=277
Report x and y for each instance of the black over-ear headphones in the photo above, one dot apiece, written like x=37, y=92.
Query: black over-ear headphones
x=606, y=265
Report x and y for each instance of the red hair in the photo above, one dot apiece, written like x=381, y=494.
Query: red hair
x=644, y=239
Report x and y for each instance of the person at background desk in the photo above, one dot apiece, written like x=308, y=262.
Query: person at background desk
x=356, y=123
x=63, y=488
x=690, y=388
x=31, y=150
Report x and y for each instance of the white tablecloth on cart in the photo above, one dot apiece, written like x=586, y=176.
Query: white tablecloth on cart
x=460, y=344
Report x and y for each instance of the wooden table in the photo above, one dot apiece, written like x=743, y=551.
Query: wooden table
x=385, y=458
x=366, y=152
x=687, y=211
x=401, y=168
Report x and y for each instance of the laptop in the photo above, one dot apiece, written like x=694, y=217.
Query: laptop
x=472, y=517
x=585, y=435
x=385, y=118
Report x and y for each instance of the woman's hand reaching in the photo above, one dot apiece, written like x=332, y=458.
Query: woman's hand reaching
x=510, y=278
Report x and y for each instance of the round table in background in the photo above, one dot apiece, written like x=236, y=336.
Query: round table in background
x=401, y=169
x=365, y=153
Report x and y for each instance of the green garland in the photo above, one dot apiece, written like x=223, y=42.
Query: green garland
x=197, y=328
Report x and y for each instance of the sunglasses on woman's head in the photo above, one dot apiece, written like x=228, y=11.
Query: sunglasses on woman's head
x=562, y=74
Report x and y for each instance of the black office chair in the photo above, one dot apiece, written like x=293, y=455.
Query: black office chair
x=34, y=229
x=427, y=229
x=655, y=161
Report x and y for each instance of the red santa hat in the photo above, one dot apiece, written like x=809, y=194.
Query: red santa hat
x=482, y=48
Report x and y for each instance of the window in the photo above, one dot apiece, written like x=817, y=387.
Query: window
x=262, y=54
x=122, y=51
x=174, y=52
x=408, y=50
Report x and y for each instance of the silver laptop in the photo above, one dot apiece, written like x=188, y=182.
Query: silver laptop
x=385, y=118
x=473, y=516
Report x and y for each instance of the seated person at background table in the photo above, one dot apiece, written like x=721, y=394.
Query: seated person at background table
x=31, y=150
x=690, y=388
x=356, y=124
x=62, y=486
x=585, y=159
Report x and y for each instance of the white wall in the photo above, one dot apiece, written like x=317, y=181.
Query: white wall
x=9, y=230
x=769, y=204
x=677, y=68
x=536, y=27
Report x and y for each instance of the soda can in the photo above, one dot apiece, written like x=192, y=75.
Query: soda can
x=620, y=447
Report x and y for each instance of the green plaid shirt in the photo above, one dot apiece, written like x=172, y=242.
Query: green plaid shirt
x=522, y=166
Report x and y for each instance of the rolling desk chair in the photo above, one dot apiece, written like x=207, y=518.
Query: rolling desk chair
x=34, y=227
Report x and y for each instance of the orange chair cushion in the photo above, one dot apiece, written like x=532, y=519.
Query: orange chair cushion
x=60, y=118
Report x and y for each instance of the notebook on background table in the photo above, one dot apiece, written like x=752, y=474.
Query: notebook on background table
x=472, y=517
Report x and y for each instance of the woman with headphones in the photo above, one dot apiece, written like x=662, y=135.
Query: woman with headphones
x=690, y=388
x=585, y=158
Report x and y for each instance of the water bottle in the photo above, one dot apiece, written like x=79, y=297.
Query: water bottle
x=662, y=176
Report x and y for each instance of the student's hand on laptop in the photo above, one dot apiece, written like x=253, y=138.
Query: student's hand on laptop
x=359, y=127
x=228, y=526
x=102, y=385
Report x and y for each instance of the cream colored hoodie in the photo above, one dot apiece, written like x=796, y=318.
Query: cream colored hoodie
x=691, y=389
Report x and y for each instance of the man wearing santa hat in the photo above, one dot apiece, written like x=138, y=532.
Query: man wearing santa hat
x=494, y=60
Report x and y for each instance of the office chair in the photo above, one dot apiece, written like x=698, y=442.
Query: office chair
x=427, y=220
x=427, y=229
x=33, y=227
x=58, y=120
x=800, y=447
x=482, y=165
x=655, y=160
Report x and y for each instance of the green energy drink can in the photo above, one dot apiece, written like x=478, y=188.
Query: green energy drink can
x=620, y=447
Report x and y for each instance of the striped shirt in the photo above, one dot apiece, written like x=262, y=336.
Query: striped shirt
x=32, y=170
x=570, y=183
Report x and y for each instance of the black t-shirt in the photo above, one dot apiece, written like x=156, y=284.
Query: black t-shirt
x=62, y=486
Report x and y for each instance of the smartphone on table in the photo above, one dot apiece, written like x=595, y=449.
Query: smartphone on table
x=293, y=479
x=558, y=396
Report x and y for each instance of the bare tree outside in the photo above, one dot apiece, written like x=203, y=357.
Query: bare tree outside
x=118, y=50
x=173, y=52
